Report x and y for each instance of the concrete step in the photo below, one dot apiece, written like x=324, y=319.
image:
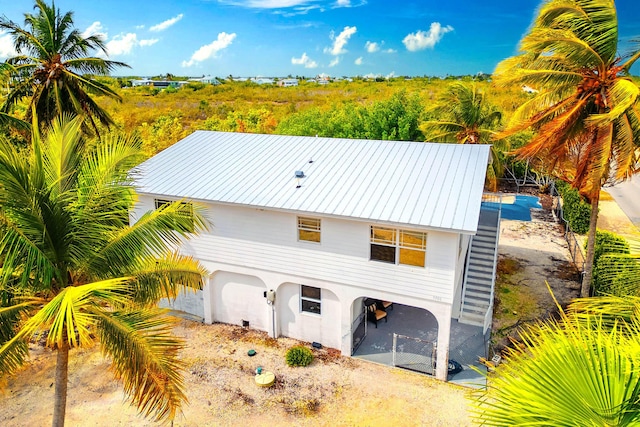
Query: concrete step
x=481, y=267
x=478, y=287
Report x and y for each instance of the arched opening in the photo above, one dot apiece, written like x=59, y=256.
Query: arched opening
x=239, y=299
x=394, y=334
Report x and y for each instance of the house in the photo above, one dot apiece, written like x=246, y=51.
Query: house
x=206, y=80
x=305, y=229
x=288, y=82
x=262, y=81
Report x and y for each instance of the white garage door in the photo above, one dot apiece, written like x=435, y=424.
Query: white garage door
x=238, y=297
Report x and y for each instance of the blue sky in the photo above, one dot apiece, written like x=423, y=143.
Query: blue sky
x=308, y=37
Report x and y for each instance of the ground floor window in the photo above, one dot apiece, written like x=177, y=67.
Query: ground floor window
x=310, y=299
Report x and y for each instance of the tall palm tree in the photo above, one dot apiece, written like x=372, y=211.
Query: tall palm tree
x=466, y=117
x=77, y=272
x=53, y=68
x=586, y=111
x=579, y=371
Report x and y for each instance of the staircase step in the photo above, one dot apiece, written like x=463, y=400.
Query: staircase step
x=481, y=268
x=480, y=275
x=478, y=287
x=478, y=294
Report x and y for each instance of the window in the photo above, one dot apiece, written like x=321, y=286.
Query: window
x=398, y=246
x=310, y=299
x=309, y=229
x=186, y=210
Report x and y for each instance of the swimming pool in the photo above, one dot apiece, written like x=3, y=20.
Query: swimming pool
x=519, y=210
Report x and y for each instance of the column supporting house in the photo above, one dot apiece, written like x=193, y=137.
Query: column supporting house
x=444, y=327
x=346, y=321
x=206, y=301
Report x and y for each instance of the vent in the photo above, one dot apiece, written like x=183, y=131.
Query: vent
x=299, y=174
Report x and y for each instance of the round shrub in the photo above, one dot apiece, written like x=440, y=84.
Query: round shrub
x=298, y=356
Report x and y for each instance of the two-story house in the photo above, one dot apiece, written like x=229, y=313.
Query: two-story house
x=305, y=228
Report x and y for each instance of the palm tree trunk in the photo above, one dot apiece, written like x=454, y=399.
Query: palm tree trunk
x=62, y=371
x=591, y=244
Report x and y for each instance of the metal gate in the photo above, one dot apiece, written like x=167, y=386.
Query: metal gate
x=359, y=328
x=414, y=354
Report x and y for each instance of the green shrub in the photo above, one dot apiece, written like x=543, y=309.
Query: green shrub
x=299, y=356
x=616, y=274
x=577, y=212
x=608, y=243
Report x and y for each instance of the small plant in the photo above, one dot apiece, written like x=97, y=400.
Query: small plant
x=299, y=356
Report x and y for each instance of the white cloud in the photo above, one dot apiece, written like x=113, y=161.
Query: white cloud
x=166, y=24
x=335, y=61
x=95, y=29
x=210, y=50
x=148, y=42
x=140, y=27
x=348, y=3
x=426, y=39
x=389, y=50
x=372, y=47
x=304, y=60
x=341, y=41
x=390, y=75
x=358, y=61
x=6, y=45
x=123, y=44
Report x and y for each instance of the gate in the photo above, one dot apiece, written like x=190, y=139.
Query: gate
x=359, y=328
x=414, y=354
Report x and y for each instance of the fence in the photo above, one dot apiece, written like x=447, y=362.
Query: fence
x=414, y=354
x=575, y=248
x=359, y=328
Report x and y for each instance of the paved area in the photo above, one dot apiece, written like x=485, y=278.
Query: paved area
x=467, y=343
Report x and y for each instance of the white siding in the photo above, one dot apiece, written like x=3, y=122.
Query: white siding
x=267, y=240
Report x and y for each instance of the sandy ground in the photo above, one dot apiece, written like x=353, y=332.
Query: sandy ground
x=333, y=391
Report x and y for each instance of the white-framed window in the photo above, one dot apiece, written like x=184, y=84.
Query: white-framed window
x=309, y=229
x=310, y=299
x=160, y=203
x=398, y=246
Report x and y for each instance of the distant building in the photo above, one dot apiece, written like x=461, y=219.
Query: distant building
x=288, y=82
x=262, y=81
x=210, y=80
x=160, y=84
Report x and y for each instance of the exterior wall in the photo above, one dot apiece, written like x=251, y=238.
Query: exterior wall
x=249, y=251
x=267, y=240
x=465, y=241
x=187, y=301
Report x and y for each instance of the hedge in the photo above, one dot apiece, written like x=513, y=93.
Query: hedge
x=577, y=212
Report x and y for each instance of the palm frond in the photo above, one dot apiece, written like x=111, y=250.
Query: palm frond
x=145, y=357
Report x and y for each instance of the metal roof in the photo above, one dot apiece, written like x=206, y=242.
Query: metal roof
x=407, y=183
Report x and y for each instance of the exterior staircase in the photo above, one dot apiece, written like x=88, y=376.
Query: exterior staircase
x=478, y=287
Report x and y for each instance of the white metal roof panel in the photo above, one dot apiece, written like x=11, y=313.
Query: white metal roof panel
x=418, y=184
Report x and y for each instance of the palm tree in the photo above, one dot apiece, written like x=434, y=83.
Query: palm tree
x=586, y=111
x=579, y=371
x=466, y=117
x=76, y=271
x=52, y=67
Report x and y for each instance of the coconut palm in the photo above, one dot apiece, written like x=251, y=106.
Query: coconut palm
x=466, y=117
x=74, y=271
x=579, y=371
x=52, y=67
x=586, y=111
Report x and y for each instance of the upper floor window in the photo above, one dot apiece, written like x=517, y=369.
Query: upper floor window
x=398, y=246
x=188, y=211
x=309, y=229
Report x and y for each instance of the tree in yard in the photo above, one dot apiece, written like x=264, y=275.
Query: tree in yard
x=586, y=111
x=53, y=70
x=73, y=270
x=579, y=371
x=465, y=116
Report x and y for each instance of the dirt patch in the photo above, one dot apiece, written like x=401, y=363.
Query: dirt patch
x=219, y=379
x=531, y=254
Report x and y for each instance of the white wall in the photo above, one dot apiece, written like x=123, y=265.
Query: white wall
x=237, y=297
x=187, y=301
x=323, y=328
x=267, y=240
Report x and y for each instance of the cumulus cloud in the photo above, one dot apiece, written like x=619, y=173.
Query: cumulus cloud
x=6, y=45
x=304, y=60
x=95, y=29
x=426, y=39
x=358, y=61
x=210, y=50
x=166, y=24
x=123, y=44
x=340, y=41
x=389, y=50
x=335, y=61
x=372, y=47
